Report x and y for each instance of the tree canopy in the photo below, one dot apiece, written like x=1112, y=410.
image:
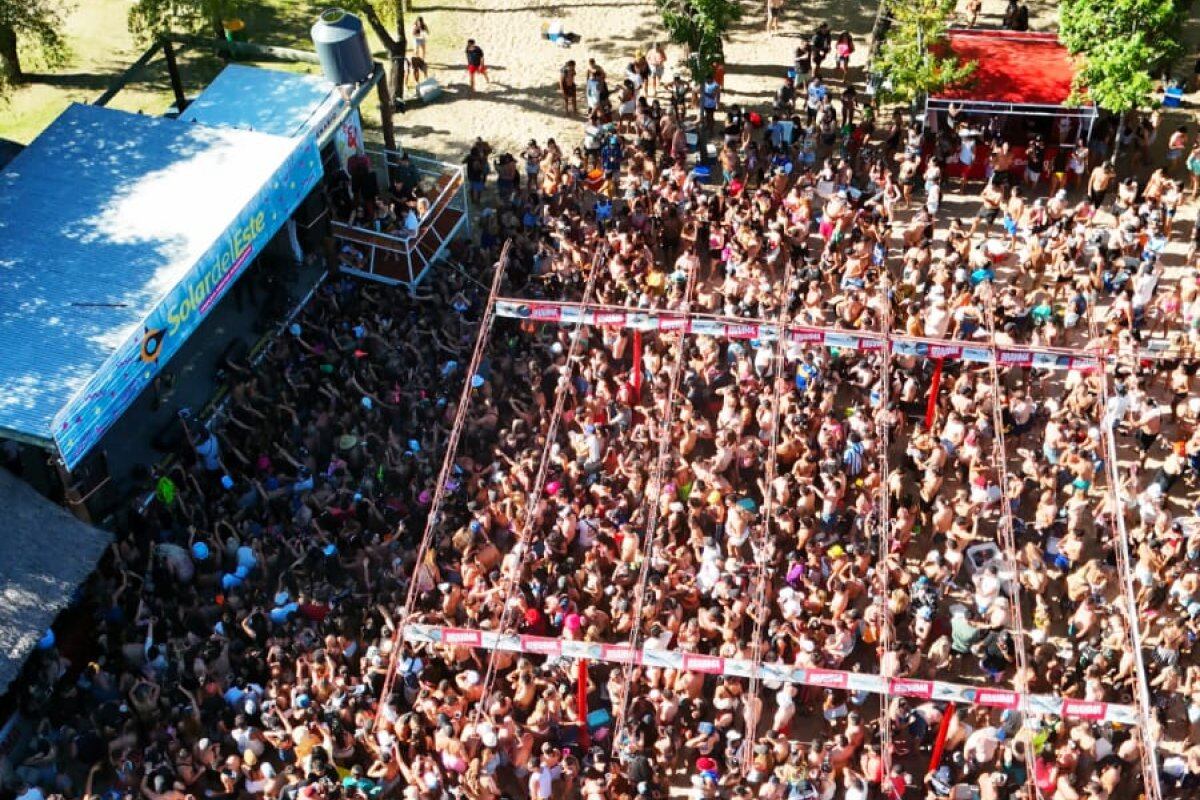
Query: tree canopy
x=1121, y=43
x=700, y=26
x=33, y=26
x=915, y=59
x=151, y=18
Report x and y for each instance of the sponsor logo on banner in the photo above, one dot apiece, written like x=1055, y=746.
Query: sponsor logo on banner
x=610, y=318
x=944, y=351
x=1083, y=364
x=545, y=313
x=911, y=688
x=841, y=340
x=460, y=636
x=871, y=344
x=1084, y=709
x=668, y=659
x=776, y=672
x=673, y=323
x=802, y=335
x=621, y=654
x=714, y=665
x=1015, y=358
x=902, y=348
x=827, y=678
x=997, y=698
x=1049, y=360
x=740, y=667
x=541, y=645
x=976, y=354
x=741, y=331
x=708, y=327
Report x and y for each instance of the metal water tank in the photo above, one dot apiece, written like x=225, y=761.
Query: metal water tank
x=341, y=44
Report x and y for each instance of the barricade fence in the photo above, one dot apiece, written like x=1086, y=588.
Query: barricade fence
x=623, y=654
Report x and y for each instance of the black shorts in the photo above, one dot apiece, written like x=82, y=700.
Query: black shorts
x=1146, y=440
x=988, y=215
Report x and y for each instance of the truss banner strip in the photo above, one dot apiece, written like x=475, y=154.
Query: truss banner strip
x=666, y=321
x=774, y=671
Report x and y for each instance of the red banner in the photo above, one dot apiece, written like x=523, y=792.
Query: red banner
x=714, y=665
x=1084, y=709
x=997, y=698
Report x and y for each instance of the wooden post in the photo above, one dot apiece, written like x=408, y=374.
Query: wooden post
x=385, y=115
x=173, y=74
x=76, y=503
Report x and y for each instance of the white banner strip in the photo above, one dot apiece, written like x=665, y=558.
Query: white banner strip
x=744, y=668
x=669, y=322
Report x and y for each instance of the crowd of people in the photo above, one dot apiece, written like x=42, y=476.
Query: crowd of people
x=777, y=502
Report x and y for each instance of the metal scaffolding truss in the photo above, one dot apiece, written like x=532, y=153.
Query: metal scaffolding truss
x=781, y=334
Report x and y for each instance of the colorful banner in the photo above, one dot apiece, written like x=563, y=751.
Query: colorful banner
x=111, y=390
x=667, y=322
x=776, y=672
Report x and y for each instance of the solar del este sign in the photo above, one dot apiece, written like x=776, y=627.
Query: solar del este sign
x=106, y=395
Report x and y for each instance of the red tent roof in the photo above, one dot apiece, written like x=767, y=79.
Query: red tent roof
x=1014, y=67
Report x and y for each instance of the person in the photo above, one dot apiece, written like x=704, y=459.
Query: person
x=476, y=64
x=1177, y=146
x=973, y=8
x=774, y=14
x=567, y=87
x=842, y=52
x=420, y=35
x=657, y=59
x=1099, y=182
x=819, y=44
x=710, y=99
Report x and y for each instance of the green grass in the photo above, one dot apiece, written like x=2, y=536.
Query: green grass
x=101, y=47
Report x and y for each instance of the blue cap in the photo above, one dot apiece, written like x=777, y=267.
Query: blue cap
x=200, y=551
x=227, y=481
x=242, y=571
x=304, y=701
x=706, y=728
x=330, y=549
x=476, y=381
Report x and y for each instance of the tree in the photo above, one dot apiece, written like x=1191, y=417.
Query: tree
x=1086, y=25
x=915, y=59
x=149, y=19
x=1114, y=75
x=379, y=15
x=700, y=26
x=29, y=24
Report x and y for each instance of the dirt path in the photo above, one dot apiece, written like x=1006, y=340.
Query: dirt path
x=522, y=102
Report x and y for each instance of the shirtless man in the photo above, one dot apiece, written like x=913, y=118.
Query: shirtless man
x=1099, y=183
x=992, y=197
x=566, y=85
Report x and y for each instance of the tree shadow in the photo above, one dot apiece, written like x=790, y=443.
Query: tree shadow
x=547, y=9
x=92, y=81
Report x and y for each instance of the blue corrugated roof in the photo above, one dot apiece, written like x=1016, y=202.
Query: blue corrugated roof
x=266, y=100
x=100, y=217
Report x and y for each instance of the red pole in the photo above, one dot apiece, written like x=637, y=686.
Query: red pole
x=581, y=701
x=637, y=365
x=935, y=757
x=935, y=384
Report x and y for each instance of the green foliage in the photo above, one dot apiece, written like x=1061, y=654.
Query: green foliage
x=30, y=26
x=700, y=26
x=1114, y=75
x=1086, y=25
x=915, y=59
x=1121, y=41
x=151, y=18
